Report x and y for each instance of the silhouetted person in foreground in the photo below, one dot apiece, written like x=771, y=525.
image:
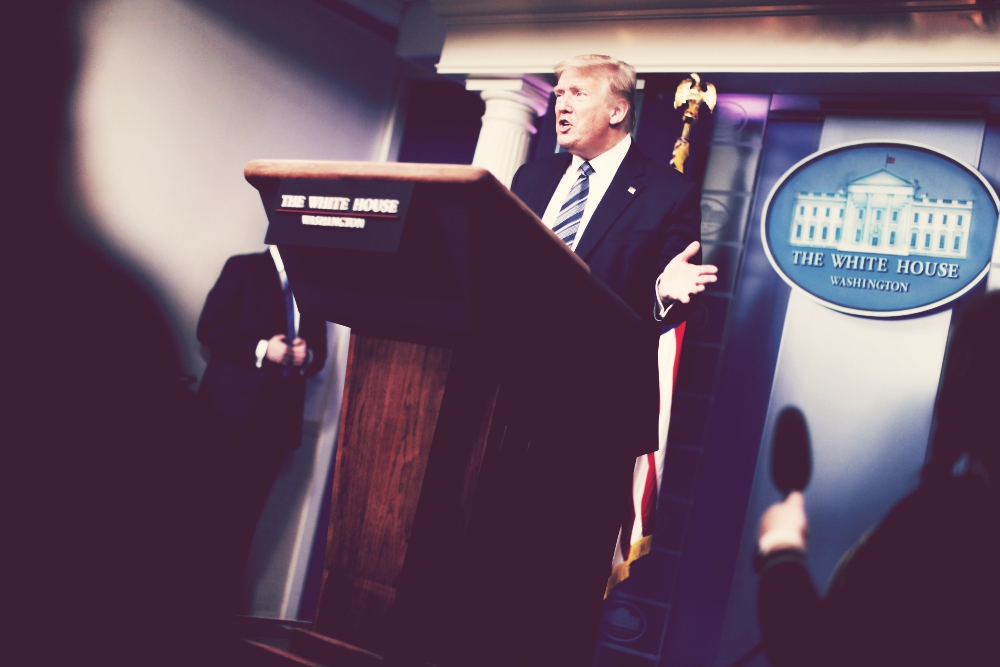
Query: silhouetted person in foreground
x=102, y=541
x=921, y=588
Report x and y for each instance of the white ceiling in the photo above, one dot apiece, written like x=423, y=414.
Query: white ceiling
x=391, y=11
x=470, y=8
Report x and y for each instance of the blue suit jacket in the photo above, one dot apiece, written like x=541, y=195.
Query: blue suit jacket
x=245, y=306
x=629, y=240
x=631, y=236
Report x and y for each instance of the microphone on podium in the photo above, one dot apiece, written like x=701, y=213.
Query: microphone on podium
x=791, y=453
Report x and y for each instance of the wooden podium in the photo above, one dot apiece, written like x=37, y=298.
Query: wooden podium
x=474, y=331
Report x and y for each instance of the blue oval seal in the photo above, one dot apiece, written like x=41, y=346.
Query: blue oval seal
x=881, y=229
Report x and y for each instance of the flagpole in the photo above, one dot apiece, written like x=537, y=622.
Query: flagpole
x=635, y=538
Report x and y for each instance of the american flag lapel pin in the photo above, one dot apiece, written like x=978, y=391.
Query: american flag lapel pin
x=631, y=190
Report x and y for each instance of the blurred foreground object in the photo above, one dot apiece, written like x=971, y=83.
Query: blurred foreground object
x=921, y=587
x=791, y=454
x=103, y=525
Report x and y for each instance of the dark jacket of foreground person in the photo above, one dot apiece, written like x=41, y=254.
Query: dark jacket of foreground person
x=102, y=533
x=922, y=587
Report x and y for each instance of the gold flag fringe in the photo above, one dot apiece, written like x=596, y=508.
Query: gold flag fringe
x=621, y=571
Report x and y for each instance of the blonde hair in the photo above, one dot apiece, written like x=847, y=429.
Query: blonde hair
x=620, y=77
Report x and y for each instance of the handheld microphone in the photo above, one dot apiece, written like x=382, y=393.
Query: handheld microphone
x=791, y=468
x=791, y=453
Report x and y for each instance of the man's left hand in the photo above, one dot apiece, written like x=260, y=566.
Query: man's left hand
x=299, y=352
x=680, y=279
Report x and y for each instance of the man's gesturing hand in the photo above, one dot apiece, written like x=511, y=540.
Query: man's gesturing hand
x=680, y=279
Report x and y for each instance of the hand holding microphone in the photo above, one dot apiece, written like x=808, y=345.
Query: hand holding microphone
x=784, y=524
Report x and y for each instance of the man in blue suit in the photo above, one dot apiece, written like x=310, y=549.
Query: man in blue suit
x=252, y=395
x=636, y=223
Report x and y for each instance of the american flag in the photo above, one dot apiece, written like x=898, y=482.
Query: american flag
x=636, y=535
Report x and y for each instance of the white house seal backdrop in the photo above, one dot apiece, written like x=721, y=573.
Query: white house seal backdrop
x=881, y=228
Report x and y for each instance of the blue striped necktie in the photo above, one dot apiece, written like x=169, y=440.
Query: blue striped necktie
x=571, y=212
x=290, y=333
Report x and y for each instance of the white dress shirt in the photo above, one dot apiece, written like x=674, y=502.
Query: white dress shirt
x=605, y=167
x=280, y=265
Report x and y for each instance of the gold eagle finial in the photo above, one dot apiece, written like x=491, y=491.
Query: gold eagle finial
x=690, y=92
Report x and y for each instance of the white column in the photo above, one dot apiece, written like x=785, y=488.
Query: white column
x=512, y=105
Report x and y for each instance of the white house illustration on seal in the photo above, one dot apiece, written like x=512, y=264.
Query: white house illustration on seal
x=881, y=213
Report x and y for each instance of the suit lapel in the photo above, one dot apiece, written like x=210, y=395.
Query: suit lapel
x=272, y=297
x=631, y=174
x=547, y=183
